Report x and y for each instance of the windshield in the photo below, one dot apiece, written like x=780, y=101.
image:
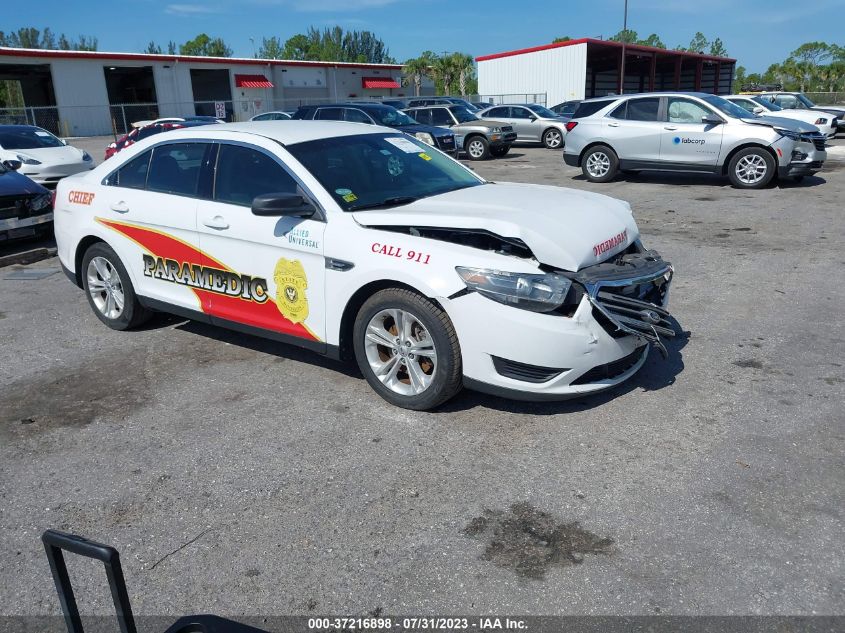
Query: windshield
x=463, y=115
x=543, y=112
x=726, y=107
x=380, y=170
x=27, y=138
x=805, y=101
x=771, y=107
x=392, y=118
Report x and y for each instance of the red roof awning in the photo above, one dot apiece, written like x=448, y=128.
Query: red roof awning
x=379, y=82
x=252, y=81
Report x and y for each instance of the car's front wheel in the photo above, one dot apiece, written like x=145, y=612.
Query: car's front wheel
x=477, y=148
x=407, y=349
x=751, y=168
x=600, y=164
x=109, y=289
x=552, y=138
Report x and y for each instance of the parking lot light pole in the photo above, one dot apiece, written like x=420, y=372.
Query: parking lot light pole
x=624, y=41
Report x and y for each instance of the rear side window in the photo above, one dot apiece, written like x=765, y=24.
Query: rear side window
x=243, y=173
x=175, y=168
x=330, y=114
x=588, y=108
x=133, y=175
x=421, y=116
x=644, y=109
x=519, y=113
x=498, y=112
x=441, y=116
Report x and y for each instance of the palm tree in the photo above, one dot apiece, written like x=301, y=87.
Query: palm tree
x=464, y=66
x=415, y=69
x=443, y=70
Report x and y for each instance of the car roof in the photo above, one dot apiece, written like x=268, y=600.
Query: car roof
x=285, y=132
x=17, y=126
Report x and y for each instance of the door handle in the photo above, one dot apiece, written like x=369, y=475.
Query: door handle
x=217, y=222
x=613, y=125
x=670, y=128
x=120, y=207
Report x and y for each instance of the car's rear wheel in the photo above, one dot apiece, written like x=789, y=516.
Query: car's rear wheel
x=477, y=148
x=109, y=289
x=600, y=164
x=751, y=168
x=500, y=151
x=552, y=138
x=407, y=349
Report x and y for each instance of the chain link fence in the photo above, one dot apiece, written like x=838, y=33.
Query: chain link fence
x=827, y=98
x=118, y=119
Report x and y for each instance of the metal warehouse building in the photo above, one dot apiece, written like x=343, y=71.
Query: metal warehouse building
x=585, y=68
x=76, y=93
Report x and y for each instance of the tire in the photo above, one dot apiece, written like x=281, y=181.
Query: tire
x=500, y=151
x=600, y=164
x=428, y=328
x=553, y=138
x=102, y=266
x=477, y=148
x=751, y=168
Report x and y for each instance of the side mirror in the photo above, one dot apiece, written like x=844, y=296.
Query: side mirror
x=12, y=164
x=711, y=119
x=282, y=205
x=532, y=118
x=759, y=110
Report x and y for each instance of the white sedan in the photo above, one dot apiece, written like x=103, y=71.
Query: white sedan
x=372, y=245
x=759, y=106
x=45, y=158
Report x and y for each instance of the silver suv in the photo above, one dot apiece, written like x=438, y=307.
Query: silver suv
x=480, y=139
x=692, y=132
x=532, y=123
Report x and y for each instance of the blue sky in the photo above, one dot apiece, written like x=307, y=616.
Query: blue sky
x=756, y=33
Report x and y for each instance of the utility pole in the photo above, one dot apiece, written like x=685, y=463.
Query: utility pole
x=624, y=43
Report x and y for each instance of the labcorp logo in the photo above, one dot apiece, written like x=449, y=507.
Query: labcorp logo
x=692, y=141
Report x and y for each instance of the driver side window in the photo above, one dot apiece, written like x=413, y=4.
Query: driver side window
x=786, y=101
x=243, y=173
x=685, y=111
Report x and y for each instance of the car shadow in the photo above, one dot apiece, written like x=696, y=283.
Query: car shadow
x=655, y=374
x=713, y=180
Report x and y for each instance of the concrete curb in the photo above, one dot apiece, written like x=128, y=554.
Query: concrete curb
x=27, y=257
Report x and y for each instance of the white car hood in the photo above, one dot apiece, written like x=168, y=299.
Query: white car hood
x=52, y=155
x=564, y=228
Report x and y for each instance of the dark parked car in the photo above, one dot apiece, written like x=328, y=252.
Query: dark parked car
x=26, y=208
x=380, y=114
x=140, y=133
x=399, y=104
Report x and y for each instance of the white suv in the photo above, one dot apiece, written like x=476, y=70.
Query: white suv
x=693, y=132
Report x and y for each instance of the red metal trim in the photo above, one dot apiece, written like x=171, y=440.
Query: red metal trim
x=146, y=57
x=601, y=43
x=252, y=81
x=379, y=82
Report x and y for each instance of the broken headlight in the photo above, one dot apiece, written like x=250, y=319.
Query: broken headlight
x=539, y=293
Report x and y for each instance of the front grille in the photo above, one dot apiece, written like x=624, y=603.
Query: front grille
x=524, y=372
x=446, y=142
x=819, y=141
x=610, y=371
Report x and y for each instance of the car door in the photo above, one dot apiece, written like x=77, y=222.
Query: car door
x=687, y=140
x=274, y=266
x=634, y=130
x=150, y=205
x=525, y=124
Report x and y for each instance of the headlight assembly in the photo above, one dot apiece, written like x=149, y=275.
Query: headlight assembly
x=793, y=136
x=821, y=121
x=41, y=202
x=538, y=293
x=86, y=156
x=425, y=137
x=28, y=160
x=496, y=130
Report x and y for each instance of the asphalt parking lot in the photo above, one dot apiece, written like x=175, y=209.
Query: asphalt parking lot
x=239, y=476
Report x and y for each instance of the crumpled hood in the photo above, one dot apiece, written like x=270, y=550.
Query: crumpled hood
x=793, y=125
x=564, y=228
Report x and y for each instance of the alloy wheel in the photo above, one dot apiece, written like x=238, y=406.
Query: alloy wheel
x=475, y=149
x=751, y=169
x=400, y=351
x=105, y=287
x=553, y=139
x=598, y=164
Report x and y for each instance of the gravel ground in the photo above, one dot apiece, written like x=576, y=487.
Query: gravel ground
x=238, y=476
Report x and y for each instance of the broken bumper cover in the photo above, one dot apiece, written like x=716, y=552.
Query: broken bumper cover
x=534, y=356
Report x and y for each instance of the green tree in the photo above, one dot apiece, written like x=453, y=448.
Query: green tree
x=297, y=47
x=807, y=59
x=205, y=46
x=717, y=48
x=30, y=37
x=652, y=40
x=464, y=68
x=444, y=72
x=698, y=44
x=417, y=68
x=557, y=40
x=740, y=77
x=153, y=49
x=335, y=44
x=271, y=48
x=626, y=35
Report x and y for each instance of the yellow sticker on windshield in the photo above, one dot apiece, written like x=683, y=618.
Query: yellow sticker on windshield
x=424, y=156
x=350, y=197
